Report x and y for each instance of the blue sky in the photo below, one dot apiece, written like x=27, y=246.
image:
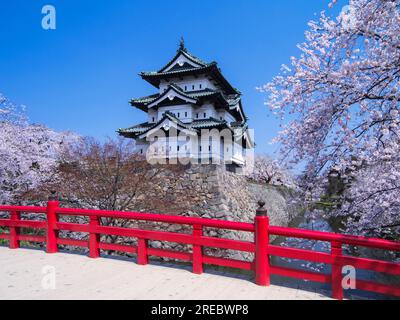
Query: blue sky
x=81, y=76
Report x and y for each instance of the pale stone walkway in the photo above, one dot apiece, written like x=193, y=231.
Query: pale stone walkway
x=23, y=274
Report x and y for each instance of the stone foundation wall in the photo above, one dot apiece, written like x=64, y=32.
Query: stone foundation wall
x=209, y=191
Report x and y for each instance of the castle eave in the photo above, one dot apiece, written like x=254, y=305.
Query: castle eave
x=210, y=69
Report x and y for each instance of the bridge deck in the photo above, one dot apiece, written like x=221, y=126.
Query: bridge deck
x=79, y=277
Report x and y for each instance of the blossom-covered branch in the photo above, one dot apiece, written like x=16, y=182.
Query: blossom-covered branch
x=28, y=153
x=343, y=90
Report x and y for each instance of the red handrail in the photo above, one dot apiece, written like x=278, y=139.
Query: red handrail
x=260, y=246
x=205, y=222
x=330, y=236
x=30, y=209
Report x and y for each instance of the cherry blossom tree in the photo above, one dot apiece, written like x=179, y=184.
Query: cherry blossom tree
x=10, y=112
x=28, y=153
x=108, y=175
x=341, y=95
x=268, y=171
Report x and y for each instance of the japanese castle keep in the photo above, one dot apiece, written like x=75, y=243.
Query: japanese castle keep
x=196, y=116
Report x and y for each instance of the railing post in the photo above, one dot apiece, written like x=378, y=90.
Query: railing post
x=337, y=288
x=94, y=237
x=142, y=257
x=197, y=251
x=14, y=231
x=52, y=233
x=261, y=238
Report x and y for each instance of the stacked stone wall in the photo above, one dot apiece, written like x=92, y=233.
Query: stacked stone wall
x=210, y=191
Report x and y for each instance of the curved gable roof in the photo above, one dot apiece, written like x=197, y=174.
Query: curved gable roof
x=169, y=118
x=167, y=95
x=182, y=51
x=210, y=69
x=190, y=65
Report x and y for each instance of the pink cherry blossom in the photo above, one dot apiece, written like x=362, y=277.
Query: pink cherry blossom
x=28, y=153
x=343, y=93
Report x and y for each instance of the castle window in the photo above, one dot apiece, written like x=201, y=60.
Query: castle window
x=220, y=118
x=141, y=151
x=179, y=114
x=153, y=119
x=185, y=88
x=205, y=114
x=209, y=148
x=185, y=114
x=200, y=85
x=177, y=148
x=200, y=148
x=197, y=115
x=193, y=87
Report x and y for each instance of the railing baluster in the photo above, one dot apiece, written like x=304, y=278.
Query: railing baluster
x=336, y=252
x=197, y=250
x=14, y=231
x=94, y=237
x=142, y=257
x=52, y=233
x=261, y=237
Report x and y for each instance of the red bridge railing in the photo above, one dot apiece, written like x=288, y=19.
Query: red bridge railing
x=261, y=247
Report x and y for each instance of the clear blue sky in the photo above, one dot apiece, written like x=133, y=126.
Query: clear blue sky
x=81, y=76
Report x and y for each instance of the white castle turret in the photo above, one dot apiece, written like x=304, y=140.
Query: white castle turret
x=194, y=103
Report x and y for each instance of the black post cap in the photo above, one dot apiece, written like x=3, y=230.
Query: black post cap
x=261, y=210
x=53, y=196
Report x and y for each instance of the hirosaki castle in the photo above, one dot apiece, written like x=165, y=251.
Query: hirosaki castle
x=196, y=115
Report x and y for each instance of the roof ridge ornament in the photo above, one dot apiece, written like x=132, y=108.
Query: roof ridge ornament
x=182, y=45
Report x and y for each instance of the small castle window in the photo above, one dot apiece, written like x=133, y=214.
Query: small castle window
x=177, y=148
x=200, y=148
x=209, y=148
x=179, y=114
x=185, y=88
x=193, y=87
x=205, y=114
x=153, y=119
x=200, y=85
x=197, y=115
x=185, y=114
x=141, y=151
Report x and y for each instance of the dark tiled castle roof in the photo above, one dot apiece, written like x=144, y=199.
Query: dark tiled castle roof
x=194, y=125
